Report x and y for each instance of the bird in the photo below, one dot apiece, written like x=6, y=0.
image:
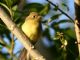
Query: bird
x=32, y=29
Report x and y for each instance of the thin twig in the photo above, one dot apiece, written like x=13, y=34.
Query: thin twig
x=12, y=47
x=61, y=10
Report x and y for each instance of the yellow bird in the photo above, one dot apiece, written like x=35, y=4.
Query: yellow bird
x=32, y=28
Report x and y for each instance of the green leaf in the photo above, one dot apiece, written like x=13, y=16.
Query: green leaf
x=64, y=5
x=8, y=3
x=70, y=33
x=55, y=26
x=64, y=21
x=14, y=8
x=55, y=8
x=55, y=16
x=45, y=10
x=52, y=18
x=5, y=6
x=34, y=7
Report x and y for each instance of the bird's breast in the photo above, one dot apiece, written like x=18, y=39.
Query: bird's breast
x=31, y=30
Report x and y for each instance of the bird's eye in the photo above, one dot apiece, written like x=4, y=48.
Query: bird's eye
x=34, y=16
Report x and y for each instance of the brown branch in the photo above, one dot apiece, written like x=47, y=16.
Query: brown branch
x=60, y=10
x=20, y=35
x=77, y=22
x=12, y=47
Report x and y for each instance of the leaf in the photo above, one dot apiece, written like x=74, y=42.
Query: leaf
x=44, y=21
x=70, y=33
x=64, y=5
x=45, y=10
x=55, y=26
x=8, y=3
x=64, y=21
x=14, y=8
x=5, y=6
x=55, y=8
x=34, y=7
x=52, y=18
x=55, y=16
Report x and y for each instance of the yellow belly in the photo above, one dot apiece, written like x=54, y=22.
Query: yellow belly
x=31, y=31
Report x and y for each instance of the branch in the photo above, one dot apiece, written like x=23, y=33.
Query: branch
x=20, y=35
x=60, y=10
x=77, y=22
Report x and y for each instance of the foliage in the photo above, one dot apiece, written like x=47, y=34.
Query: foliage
x=64, y=47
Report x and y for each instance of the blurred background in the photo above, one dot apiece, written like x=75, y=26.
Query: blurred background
x=58, y=39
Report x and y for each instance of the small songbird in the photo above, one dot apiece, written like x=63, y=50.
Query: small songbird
x=32, y=29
